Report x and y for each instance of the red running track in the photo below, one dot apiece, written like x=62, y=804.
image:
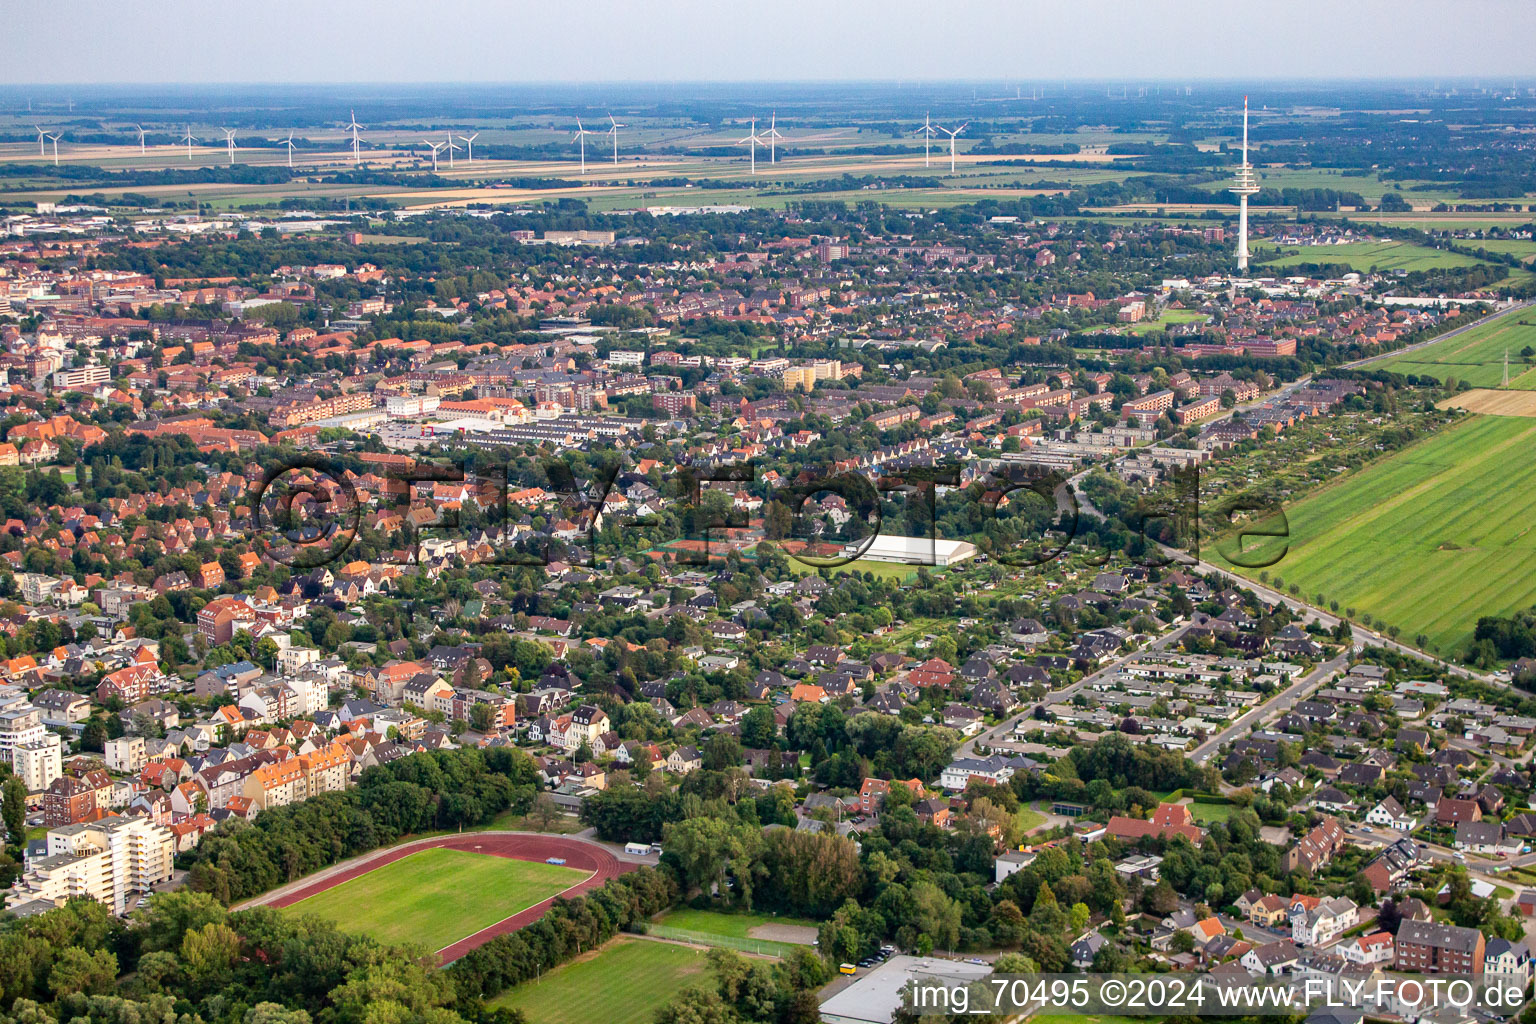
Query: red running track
x=578, y=854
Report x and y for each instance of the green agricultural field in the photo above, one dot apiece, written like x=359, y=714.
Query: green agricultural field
x=1525, y=250
x=436, y=897
x=630, y=979
x=1476, y=356
x=1427, y=540
x=1364, y=256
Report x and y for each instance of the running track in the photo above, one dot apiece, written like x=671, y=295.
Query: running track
x=578, y=853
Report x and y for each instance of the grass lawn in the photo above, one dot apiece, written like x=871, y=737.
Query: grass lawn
x=1205, y=813
x=565, y=825
x=1477, y=356
x=1427, y=540
x=1030, y=819
x=1170, y=318
x=734, y=926
x=628, y=980
x=884, y=570
x=436, y=897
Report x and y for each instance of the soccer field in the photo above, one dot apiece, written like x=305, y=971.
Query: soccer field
x=630, y=979
x=1427, y=540
x=437, y=896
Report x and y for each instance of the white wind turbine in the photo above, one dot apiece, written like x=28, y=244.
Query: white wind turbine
x=754, y=141
x=141, y=139
x=451, y=148
x=42, y=147
x=54, y=138
x=772, y=135
x=435, y=147
x=229, y=137
x=952, y=135
x=289, y=143
x=353, y=127
x=614, y=131
x=469, y=146
x=927, y=131
x=189, y=140
x=581, y=137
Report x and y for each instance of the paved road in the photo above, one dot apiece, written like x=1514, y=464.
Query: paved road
x=1001, y=732
x=1274, y=708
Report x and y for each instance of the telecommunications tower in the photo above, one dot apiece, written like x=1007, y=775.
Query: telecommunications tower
x=1245, y=185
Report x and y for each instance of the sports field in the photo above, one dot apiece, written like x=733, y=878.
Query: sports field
x=1476, y=356
x=749, y=933
x=630, y=979
x=1365, y=256
x=1427, y=540
x=437, y=896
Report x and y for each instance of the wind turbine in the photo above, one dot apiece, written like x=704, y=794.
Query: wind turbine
x=952, y=135
x=754, y=141
x=435, y=147
x=289, y=143
x=55, y=140
x=614, y=131
x=451, y=148
x=229, y=137
x=469, y=146
x=42, y=147
x=353, y=127
x=927, y=131
x=141, y=138
x=772, y=135
x=190, y=139
x=581, y=137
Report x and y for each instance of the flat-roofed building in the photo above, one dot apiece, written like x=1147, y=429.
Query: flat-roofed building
x=911, y=550
x=39, y=762
x=108, y=861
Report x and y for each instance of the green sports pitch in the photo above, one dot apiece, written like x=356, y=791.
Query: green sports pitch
x=436, y=897
x=630, y=979
x=1427, y=540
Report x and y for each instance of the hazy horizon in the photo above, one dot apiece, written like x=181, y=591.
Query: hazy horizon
x=473, y=42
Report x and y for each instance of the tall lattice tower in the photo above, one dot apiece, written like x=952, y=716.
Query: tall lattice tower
x=1245, y=184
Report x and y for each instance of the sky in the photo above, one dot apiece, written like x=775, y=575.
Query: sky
x=366, y=41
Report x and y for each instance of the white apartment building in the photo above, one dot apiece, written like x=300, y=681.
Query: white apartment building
x=38, y=763
x=400, y=406
x=108, y=861
x=126, y=754
x=292, y=659
x=80, y=378
x=20, y=724
x=1325, y=922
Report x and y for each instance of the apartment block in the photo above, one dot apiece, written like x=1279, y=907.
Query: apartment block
x=109, y=861
x=39, y=762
